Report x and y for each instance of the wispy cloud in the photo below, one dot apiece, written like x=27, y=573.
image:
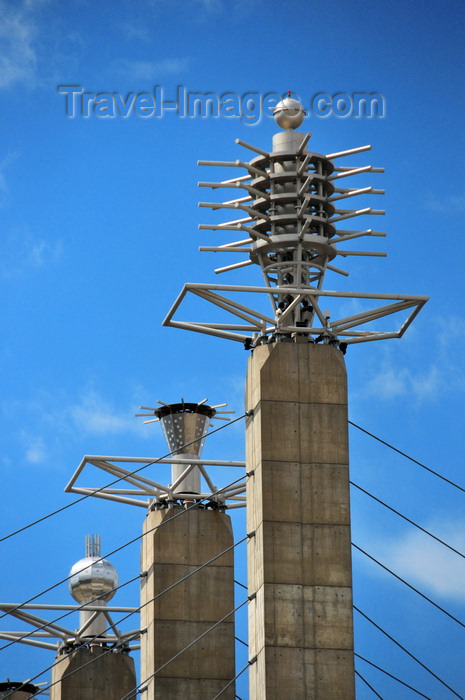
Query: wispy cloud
x=52, y=429
x=413, y=375
x=427, y=564
x=447, y=203
x=22, y=252
x=96, y=416
x=18, y=31
x=134, y=32
x=151, y=71
x=35, y=449
x=392, y=382
x=4, y=163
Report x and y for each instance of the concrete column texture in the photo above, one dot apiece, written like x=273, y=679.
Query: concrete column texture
x=299, y=560
x=93, y=673
x=176, y=543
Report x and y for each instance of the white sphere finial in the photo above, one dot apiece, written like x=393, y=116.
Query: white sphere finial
x=92, y=577
x=289, y=113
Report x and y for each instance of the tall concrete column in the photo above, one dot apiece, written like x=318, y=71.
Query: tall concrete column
x=173, y=547
x=92, y=673
x=299, y=561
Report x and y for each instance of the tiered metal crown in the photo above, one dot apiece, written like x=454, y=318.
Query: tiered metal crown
x=291, y=207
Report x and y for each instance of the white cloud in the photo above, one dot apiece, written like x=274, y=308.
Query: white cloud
x=135, y=32
x=4, y=163
x=52, y=429
x=152, y=70
x=427, y=564
x=36, y=453
x=392, y=381
x=413, y=375
x=96, y=416
x=22, y=252
x=43, y=252
x=446, y=203
x=18, y=57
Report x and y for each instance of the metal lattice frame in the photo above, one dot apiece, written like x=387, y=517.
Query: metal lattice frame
x=257, y=325
x=50, y=635
x=145, y=492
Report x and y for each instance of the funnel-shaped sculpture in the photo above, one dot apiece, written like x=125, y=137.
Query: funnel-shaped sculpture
x=185, y=427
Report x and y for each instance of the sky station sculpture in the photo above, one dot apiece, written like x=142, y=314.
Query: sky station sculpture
x=296, y=482
x=187, y=632
x=292, y=217
x=298, y=506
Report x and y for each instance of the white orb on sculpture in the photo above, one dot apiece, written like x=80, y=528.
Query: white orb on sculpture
x=91, y=578
x=289, y=113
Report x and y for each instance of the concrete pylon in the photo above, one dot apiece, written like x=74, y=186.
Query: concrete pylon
x=172, y=548
x=17, y=691
x=299, y=561
x=93, y=673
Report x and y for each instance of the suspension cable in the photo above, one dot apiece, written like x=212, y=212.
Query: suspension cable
x=427, y=532
x=391, y=676
x=241, y=641
x=240, y=584
x=233, y=680
x=399, y=578
x=78, y=608
x=357, y=673
x=409, y=653
x=404, y=454
x=113, y=590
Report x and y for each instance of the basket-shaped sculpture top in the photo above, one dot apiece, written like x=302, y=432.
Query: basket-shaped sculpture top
x=185, y=426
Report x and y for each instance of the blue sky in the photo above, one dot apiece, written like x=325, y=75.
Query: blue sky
x=99, y=233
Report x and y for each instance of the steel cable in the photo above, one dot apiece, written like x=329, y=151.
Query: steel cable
x=408, y=653
x=221, y=427
x=357, y=673
x=83, y=606
x=404, y=454
x=399, y=578
x=391, y=676
x=427, y=532
x=232, y=680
